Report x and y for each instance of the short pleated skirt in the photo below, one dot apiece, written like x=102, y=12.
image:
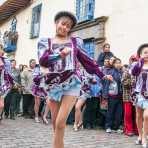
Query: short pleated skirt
x=70, y=87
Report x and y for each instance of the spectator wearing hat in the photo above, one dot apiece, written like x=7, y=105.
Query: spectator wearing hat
x=60, y=56
x=106, y=53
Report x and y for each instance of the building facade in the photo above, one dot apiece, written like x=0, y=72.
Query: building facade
x=123, y=24
x=35, y=19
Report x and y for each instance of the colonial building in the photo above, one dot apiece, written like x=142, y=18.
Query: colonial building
x=31, y=19
x=123, y=24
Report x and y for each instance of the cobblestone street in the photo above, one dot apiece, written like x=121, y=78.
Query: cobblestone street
x=24, y=133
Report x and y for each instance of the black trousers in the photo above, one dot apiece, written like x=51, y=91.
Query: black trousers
x=12, y=102
x=28, y=105
x=114, y=113
x=90, y=112
x=42, y=107
x=71, y=117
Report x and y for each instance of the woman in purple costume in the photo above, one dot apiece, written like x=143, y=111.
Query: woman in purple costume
x=140, y=70
x=6, y=80
x=59, y=57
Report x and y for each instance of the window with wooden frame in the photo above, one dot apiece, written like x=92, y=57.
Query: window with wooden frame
x=35, y=24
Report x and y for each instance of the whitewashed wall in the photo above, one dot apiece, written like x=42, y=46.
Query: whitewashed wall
x=26, y=47
x=126, y=27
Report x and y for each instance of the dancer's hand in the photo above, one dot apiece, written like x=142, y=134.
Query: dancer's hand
x=64, y=52
x=1, y=62
x=94, y=81
x=108, y=77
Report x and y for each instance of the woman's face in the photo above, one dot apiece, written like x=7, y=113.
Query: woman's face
x=25, y=67
x=63, y=26
x=106, y=62
x=111, y=60
x=33, y=64
x=13, y=64
x=144, y=54
x=124, y=69
x=106, y=48
x=117, y=64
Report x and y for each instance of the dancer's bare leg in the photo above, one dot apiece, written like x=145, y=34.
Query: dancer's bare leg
x=47, y=108
x=78, y=113
x=1, y=107
x=139, y=121
x=54, y=108
x=36, y=107
x=65, y=108
x=145, y=126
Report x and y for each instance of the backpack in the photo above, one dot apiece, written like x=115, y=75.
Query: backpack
x=113, y=88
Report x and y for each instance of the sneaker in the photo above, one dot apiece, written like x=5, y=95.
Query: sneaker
x=75, y=128
x=6, y=116
x=119, y=131
x=108, y=130
x=12, y=117
x=37, y=120
x=138, y=141
x=144, y=145
x=80, y=126
x=45, y=121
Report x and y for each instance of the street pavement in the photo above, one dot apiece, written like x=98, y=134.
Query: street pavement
x=25, y=133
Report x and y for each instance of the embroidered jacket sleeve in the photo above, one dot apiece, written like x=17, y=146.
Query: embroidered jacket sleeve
x=37, y=75
x=86, y=61
x=8, y=70
x=46, y=57
x=136, y=68
x=7, y=65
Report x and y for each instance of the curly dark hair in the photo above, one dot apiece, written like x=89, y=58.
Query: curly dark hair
x=66, y=14
x=115, y=60
x=139, y=51
x=106, y=44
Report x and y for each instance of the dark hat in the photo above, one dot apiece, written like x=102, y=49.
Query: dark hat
x=66, y=14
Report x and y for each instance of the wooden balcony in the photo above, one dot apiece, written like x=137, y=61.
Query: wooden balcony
x=9, y=7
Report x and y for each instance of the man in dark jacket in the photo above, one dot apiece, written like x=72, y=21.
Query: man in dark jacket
x=105, y=54
x=12, y=100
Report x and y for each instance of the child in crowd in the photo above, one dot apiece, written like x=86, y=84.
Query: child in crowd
x=114, y=113
x=130, y=128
